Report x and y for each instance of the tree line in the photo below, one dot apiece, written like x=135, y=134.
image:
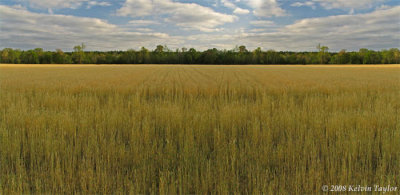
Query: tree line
x=163, y=55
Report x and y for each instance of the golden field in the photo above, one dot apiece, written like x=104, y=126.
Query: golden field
x=176, y=129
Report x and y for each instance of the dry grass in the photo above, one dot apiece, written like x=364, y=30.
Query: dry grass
x=197, y=129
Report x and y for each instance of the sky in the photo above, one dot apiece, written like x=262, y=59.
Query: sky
x=282, y=25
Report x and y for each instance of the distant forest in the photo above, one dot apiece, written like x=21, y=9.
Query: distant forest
x=163, y=55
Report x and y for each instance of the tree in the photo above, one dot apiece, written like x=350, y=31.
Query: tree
x=238, y=55
x=58, y=57
x=191, y=56
x=272, y=57
x=363, y=55
x=39, y=53
x=371, y=57
x=322, y=53
x=30, y=57
x=390, y=56
x=46, y=58
x=396, y=55
x=355, y=58
x=257, y=56
x=159, y=49
x=7, y=55
x=159, y=55
x=79, y=54
x=210, y=56
x=242, y=49
x=144, y=56
x=300, y=58
x=129, y=57
x=343, y=57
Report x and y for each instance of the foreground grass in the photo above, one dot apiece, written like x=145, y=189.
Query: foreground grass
x=197, y=129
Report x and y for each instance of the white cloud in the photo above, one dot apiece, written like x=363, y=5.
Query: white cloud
x=236, y=9
x=375, y=30
x=343, y=4
x=136, y=8
x=25, y=30
x=59, y=4
x=144, y=29
x=241, y=11
x=256, y=30
x=91, y=4
x=142, y=22
x=228, y=4
x=189, y=16
x=262, y=23
x=307, y=3
x=73, y=4
x=266, y=8
x=340, y=4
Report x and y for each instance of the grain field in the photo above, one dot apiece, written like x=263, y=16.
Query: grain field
x=167, y=129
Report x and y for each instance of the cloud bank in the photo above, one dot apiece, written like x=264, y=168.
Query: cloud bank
x=24, y=29
x=189, y=16
x=207, y=28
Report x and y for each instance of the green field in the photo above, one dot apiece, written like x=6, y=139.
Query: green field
x=197, y=129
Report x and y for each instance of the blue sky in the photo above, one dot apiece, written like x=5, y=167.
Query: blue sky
x=295, y=25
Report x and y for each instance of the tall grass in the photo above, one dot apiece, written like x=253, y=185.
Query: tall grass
x=197, y=129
